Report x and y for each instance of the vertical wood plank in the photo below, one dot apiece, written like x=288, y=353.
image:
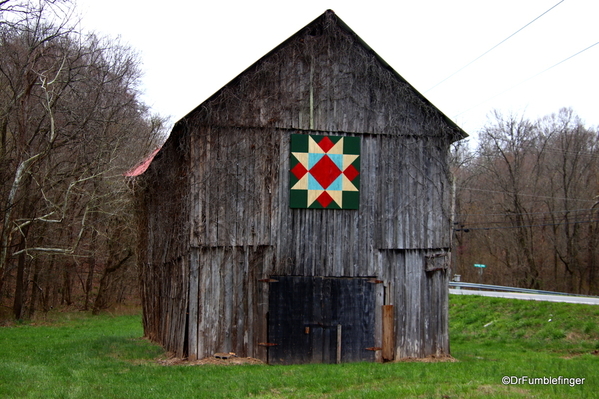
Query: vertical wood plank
x=388, y=333
x=192, y=323
x=339, y=342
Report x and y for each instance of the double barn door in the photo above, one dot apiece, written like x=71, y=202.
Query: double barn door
x=321, y=320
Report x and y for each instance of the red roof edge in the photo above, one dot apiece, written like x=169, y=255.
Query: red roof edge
x=142, y=166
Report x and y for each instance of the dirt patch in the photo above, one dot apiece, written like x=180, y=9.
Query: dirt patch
x=574, y=337
x=211, y=361
x=428, y=359
x=575, y=355
x=496, y=390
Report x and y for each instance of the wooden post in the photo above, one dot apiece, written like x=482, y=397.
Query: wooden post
x=388, y=333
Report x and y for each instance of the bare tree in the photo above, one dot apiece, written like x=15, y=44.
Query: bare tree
x=510, y=152
x=70, y=124
x=525, y=204
x=570, y=176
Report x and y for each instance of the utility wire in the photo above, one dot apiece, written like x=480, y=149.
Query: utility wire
x=525, y=195
x=532, y=217
x=524, y=213
x=575, y=216
x=467, y=229
x=492, y=48
x=527, y=79
x=583, y=218
x=562, y=61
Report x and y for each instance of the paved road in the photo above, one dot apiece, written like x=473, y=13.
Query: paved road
x=532, y=297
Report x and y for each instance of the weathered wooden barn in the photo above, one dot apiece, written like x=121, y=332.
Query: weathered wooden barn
x=302, y=213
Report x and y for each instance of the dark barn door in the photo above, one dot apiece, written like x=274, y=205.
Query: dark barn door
x=320, y=320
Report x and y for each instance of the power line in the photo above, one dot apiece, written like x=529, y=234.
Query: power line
x=574, y=152
x=492, y=48
x=526, y=213
x=583, y=218
x=562, y=61
x=575, y=216
x=467, y=229
x=525, y=195
x=527, y=79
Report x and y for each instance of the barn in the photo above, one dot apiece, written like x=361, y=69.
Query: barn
x=302, y=214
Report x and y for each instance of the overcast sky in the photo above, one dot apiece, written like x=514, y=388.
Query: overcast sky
x=190, y=49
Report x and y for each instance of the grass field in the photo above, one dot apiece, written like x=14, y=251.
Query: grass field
x=75, y=355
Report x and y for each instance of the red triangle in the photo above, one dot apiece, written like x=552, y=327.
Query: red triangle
x=299, y=170
x=351, y=173
x=324, y=199
x=326, y=144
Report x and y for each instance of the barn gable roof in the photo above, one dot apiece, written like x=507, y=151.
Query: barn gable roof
x=324, y=77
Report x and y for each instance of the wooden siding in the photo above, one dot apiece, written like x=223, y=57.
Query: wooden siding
x=240, y=196
x=163, y=247
x=215, y=216
x=234, y=173
x=238, y=186
x=228, y=303
x=420, y=303
x=243, y=230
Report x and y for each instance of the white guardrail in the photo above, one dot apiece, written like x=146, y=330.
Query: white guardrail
x=461, y=288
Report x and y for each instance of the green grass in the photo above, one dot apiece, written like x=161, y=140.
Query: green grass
x=80, y=356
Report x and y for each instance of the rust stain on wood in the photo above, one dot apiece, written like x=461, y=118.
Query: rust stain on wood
x=268, y=280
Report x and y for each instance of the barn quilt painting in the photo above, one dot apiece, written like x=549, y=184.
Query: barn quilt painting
x=324, y=172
